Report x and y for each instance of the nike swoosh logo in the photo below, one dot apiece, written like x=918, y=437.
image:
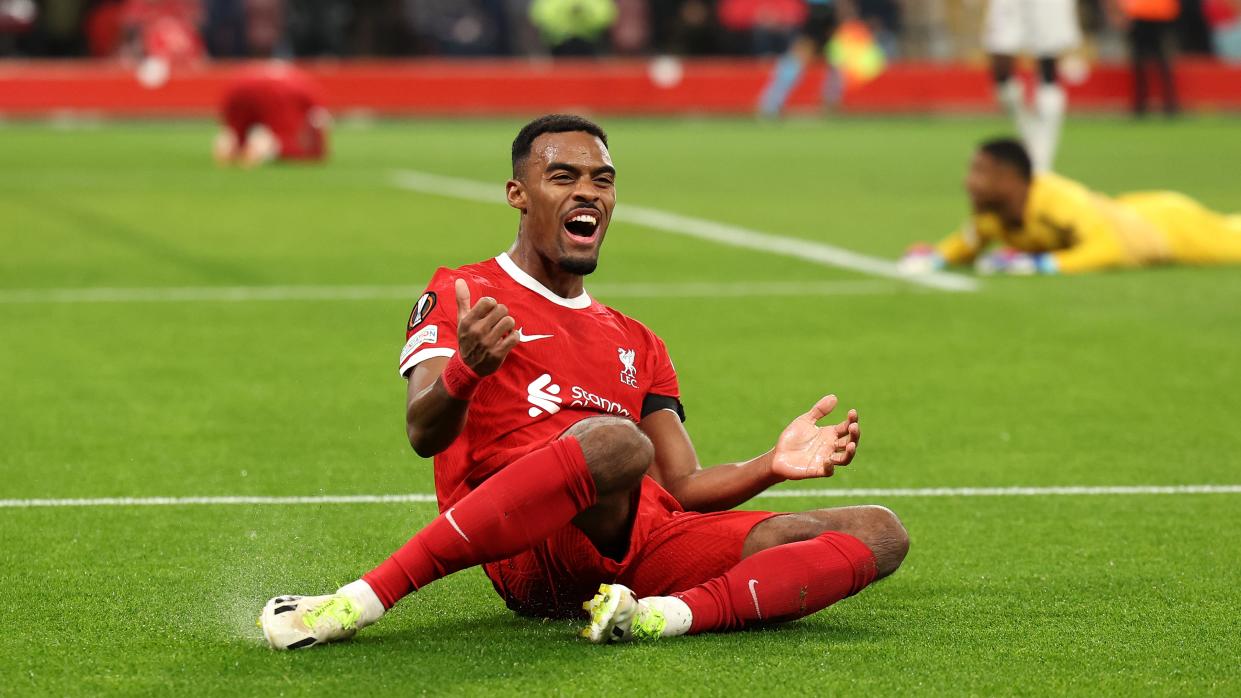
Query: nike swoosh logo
x=522, y=337
x=453, y=522
x=754, y=595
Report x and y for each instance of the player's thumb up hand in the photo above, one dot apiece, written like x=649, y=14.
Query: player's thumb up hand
x=463, y=298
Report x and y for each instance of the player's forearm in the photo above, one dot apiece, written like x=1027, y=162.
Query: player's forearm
x=724, y=486
x=434, y=419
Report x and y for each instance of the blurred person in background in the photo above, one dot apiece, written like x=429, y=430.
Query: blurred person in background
x=460, y=27
x=821, y=19
x=162, y=28
x=103, y=29
x=1044, y=30
x=1049, y=224
x=1149, y=24
x=686, y=28
x=761, y=27
x=241, y=28
x=159, y=36
x=631, y=33
x=45, y=27
x=265, y=21
x=272, y=112
x=319, y=27
x=883, y=18
x=574, y=27
x=381, y=28
x=17, y=17
x=224, y=28
x=1224, y=17
x=1192, y=29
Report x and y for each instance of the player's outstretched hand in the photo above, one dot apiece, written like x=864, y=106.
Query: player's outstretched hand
x=807, y=450
x=484, y=331
x=1015, y=263
x=920, y=258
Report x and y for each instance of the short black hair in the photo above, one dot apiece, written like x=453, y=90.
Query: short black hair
x=1009, y=151
x=550, y=123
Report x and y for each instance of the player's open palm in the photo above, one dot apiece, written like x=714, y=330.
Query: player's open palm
x=485, y=333
x=807, y=450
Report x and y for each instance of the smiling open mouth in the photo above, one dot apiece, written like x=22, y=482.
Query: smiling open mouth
x=582, y=224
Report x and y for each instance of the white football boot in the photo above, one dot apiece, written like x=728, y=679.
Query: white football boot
x=617, y=615
x=297, y=622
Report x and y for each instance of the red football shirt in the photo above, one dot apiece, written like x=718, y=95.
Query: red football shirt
x=577, y=358
x=283, y=99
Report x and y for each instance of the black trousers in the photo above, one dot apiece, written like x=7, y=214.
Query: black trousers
x=1148, y=43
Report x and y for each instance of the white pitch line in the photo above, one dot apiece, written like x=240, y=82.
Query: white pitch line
x=721, y=233
x=213, y=501
x=223, y=294
x=425, y=498
x=714, y=289
x=238, y=294
x=1054, y=491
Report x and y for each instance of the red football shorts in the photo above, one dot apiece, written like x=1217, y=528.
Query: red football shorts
x=670, y=550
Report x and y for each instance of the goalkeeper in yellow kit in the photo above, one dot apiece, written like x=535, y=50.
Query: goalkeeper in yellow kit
x=1049, y=224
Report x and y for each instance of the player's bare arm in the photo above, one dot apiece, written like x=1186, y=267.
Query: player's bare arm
x=434, y=417
x=803, y=450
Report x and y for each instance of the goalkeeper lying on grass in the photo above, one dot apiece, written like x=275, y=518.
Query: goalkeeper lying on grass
x=1048, y=224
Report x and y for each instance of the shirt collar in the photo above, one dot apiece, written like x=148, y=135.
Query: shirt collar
x=510, y=267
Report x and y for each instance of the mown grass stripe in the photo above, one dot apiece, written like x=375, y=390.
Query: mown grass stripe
x=242, y=294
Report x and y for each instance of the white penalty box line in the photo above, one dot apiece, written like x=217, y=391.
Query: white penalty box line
x=791, y=493
x=713, y=231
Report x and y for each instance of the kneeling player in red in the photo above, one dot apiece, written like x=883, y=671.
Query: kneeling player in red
x=271, y=112
x=561, y=462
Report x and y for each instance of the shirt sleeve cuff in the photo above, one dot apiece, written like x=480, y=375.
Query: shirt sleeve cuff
x=418, y=357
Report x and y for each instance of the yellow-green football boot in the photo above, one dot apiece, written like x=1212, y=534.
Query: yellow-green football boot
x=298, y=622
x=617, y=615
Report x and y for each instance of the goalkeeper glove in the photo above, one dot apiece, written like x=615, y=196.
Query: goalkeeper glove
x=1015, y=263
x=920, y=258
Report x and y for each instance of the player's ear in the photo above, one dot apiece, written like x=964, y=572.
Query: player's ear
x=515, y=192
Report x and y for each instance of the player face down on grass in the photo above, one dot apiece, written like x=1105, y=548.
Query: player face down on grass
x=998, y=177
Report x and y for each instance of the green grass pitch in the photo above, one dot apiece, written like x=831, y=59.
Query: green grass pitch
x=1115, y=379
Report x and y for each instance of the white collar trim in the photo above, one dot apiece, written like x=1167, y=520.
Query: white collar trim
x=510, y=267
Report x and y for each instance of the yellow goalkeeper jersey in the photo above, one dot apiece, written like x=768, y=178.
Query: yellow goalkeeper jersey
x=1083, y=230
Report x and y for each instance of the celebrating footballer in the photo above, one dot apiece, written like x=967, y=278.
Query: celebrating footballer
x=561, y=462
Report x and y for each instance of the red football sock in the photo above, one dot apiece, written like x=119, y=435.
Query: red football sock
x=510, y=512
x=782, y=583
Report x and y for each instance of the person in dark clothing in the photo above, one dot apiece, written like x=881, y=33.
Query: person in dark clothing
x=1149, y=24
